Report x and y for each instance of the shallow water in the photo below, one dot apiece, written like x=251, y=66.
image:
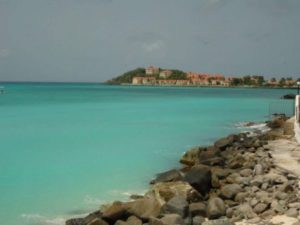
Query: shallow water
x=66, y=148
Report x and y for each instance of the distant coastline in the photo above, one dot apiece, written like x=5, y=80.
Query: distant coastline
x=154, y=76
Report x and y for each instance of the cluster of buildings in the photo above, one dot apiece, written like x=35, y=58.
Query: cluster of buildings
x=155, y=76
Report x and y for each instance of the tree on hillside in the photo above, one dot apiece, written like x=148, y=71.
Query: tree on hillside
x=127, y=77
x=273, y=79
x=236, y=81
x=247, y=80
x=260, y=80
x=177, y=75
x=282, y=81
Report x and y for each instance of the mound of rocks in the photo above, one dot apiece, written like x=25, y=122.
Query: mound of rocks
x=232, y=180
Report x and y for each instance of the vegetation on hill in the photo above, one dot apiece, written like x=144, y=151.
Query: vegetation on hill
x=248, y=81
x=177, y=75
x=127, y=77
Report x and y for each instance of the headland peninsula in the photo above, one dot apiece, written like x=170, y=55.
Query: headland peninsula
x=155, y=76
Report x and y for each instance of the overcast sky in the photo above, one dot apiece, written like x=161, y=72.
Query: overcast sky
x=95, y=40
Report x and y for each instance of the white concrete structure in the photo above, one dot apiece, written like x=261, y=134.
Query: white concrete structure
x=297, y=118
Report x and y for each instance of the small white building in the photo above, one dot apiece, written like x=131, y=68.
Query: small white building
x=151, y=70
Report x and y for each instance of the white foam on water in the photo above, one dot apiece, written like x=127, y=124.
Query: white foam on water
x=43, y=220
x=252, y=129
x=89, y=200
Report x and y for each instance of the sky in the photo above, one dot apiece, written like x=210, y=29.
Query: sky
x=95, y=40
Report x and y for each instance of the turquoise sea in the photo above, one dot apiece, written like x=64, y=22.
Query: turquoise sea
x=67, y=148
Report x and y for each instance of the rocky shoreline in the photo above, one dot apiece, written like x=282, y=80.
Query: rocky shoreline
x=233, y=180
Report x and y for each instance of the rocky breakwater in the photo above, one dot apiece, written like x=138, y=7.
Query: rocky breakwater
x=232, y=180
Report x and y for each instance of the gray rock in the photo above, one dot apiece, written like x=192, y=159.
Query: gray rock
x=255, y=220
x=199, y=177
x=241, y=197
x=75, y=221
x=97, y=222
x=294, y=205
x=85, y=220
x=245, y=211
x=230, y=190
x=225, y=142
x=277, y=207
x=264, y=186
x=197, y=209
x=120, y=222
x=218, y=222
x=171, y=175
x=221, y=173
x=236, y=162
x=292, y=212
x=233, y=178
x=246, y=172
x=171, y=219
x=155, y=221
x=229, y=213
x=117, y=211
x=198, y=220
x=263, y=196
x=260, y=208
x=215, y=208
x=257, y=181
x=268, y=213
x=176, y=205
x=215, y=182
x=253, y=202
x=133, y=220
x=280, y=195
x=144, y=208
x=276, y=178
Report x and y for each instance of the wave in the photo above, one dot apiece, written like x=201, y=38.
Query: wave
x=37, y=219
x=252, y=128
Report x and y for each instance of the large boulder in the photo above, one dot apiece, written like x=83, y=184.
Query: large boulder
x=215, y=208
x=191, y=157
x=177, y=205
x=197, y=220
x=197, y=209
x=202, y=155
x=229, y=191
x=172, y=219
x=260, y=208
x=98, y=221
x=117, y=211
x=168, y=176
x=199, y=177
x=85, y=220
x=76, y=221
x=163, y=192
x=132, y=220
x=225, y=142
x=144, y=208
x=277, y=122
x=245, y=211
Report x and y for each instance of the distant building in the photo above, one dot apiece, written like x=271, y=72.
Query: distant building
x=165, y=74
x=144, y=81
x=273, y=82
x=137, y=80
x=151, y=70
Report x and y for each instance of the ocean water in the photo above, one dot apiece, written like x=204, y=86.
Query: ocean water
x=67, y=148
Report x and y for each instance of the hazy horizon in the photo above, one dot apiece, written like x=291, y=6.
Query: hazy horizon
x=96, y=40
